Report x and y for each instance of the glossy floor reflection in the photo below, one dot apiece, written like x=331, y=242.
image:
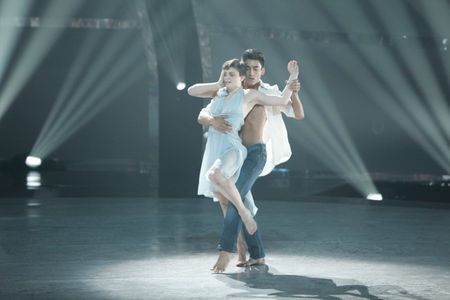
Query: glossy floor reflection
x=142, y=248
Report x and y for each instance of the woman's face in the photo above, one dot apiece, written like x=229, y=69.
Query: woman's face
x=232, y=79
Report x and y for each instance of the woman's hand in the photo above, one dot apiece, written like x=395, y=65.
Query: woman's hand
x=293, y=69
x=220, y=81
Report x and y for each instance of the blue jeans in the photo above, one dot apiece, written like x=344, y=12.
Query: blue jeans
x=232, y=224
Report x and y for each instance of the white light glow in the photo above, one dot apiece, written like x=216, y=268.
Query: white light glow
x=33, y=184
x=375, y=197
x=33, y=176
x=33, y=181
x=33, y=202
x=181, y=86
x=33, y=162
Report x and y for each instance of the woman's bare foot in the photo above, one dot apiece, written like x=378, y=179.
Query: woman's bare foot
x=248, y=221
x=222, y=262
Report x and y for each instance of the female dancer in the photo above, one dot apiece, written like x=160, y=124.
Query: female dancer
x=224, y=153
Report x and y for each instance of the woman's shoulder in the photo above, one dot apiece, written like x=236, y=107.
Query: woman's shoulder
x=222, y=92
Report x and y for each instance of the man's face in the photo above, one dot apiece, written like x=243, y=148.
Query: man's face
x=253, y=71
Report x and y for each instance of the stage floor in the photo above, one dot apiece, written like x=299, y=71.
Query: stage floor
x=154, y=248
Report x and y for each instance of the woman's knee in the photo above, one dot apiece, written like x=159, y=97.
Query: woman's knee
x=215, y=176
x=223, y=201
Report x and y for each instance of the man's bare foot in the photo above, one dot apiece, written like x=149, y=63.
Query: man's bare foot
x=248, y=221
x=254, y=262
x=222, y=262
x=241, y=249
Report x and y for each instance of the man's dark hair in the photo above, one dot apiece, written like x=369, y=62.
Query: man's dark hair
x=235, y=63
x=253, y=54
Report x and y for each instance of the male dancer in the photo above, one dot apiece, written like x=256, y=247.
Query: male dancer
x=260, y=120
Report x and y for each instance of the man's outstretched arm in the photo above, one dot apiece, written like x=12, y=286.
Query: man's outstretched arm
x=296, y=103
x=294, y=85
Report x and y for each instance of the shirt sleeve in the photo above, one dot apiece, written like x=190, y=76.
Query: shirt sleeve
x=286, y=109
x=275, y=133
x=276, y=140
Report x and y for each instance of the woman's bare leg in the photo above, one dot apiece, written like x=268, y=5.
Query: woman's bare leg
x=223, y=201
x=228, y=189
x=224, y=257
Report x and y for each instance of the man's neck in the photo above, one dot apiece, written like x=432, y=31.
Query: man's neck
x=252, y=87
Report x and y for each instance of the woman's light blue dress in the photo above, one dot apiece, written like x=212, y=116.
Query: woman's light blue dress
x=223, y=150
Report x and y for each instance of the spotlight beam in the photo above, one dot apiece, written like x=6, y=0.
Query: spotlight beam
x=112, y=94
x=418, y=112
x=428, y=131
x=35, y=50
x=330, y=140
x=428, y=84
x=99, y=71
x=59, y=111
x=382, y=84
x=321, y=143
x=10, y=35
x=167, y=28
x=317, y=145
x=93, y=102
x=437, y=13
x=327, y=137
x=396, y=109
x=336, y=132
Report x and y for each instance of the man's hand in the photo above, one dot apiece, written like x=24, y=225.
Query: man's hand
x=294, y=85
x=221, y=124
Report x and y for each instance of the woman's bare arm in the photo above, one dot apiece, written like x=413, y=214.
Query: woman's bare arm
x=206, y=90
